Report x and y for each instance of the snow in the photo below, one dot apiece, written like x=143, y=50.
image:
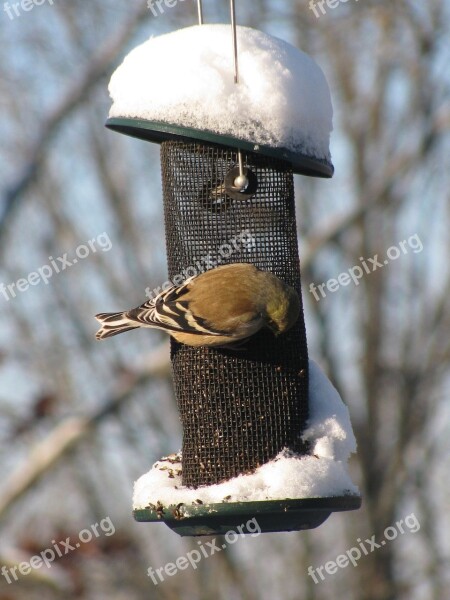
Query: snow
x=186, y=78
x=321, y=474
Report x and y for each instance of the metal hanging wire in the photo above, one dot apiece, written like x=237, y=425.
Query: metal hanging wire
x=234, y=33
x=241, y=182
x=235, y=48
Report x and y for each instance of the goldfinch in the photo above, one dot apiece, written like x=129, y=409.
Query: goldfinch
x=217, y=308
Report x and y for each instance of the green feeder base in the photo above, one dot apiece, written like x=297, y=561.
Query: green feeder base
x=270, y=515
x=156, y=131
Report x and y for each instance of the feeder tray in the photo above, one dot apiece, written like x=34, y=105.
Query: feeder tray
x=153, y=131
x=271, y=515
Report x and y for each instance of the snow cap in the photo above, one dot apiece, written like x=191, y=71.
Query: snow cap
x=181, y=84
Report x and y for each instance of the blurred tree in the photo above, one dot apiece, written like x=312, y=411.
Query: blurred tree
x=82, y=420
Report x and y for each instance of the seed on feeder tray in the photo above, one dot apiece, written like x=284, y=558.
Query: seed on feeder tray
x=177, y=513
x=172, y=458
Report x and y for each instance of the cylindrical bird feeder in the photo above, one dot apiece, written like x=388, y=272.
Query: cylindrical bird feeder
x=229, y=198
x=231, y=425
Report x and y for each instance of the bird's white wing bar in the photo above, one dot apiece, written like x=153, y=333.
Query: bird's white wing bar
x=168, y=311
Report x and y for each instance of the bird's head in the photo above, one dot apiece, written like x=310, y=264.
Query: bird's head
x=283, y=310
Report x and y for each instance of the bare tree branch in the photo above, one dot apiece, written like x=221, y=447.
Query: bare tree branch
x=46, y=453
x=74, y=96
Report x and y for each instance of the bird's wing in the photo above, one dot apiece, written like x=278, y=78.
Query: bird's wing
x=169, y=311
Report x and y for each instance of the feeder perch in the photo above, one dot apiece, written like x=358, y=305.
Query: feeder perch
x=228, y=195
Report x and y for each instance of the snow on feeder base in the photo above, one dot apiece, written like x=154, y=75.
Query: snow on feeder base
x=289, y=493
x=242, y=410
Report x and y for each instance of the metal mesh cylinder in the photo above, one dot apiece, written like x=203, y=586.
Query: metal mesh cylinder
x=238, y=408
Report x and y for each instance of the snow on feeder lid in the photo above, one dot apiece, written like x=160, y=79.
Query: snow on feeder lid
x=178, y=86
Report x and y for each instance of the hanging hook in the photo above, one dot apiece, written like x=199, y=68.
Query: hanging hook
x=235, y=49
x=200, y=12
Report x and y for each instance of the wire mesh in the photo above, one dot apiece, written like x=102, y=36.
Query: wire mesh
x=238, y=408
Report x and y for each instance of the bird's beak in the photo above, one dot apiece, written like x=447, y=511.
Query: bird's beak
x=273, y=328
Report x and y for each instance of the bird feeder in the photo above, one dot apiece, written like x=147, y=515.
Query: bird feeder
x=228, y=196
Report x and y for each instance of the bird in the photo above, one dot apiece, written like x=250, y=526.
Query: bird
x=218, y=191
x=221, y=307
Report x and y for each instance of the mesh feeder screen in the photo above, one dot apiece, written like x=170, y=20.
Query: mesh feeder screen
x=240, y=408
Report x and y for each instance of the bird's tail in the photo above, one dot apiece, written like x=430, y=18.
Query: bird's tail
x=112, y=324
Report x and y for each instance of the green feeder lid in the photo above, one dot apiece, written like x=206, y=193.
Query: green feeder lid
x=269, y=515
x=156, y=131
